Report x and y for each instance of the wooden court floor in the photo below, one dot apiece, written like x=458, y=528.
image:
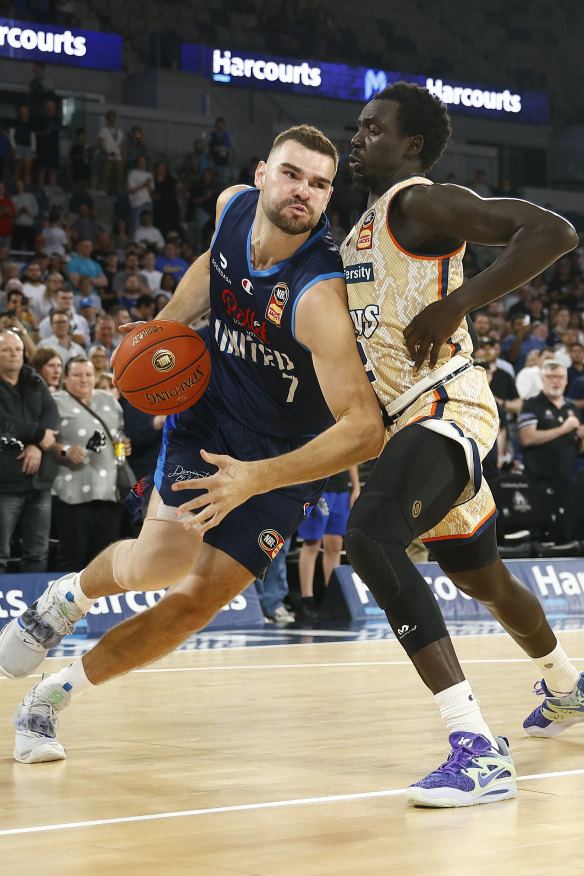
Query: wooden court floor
x=286, y=760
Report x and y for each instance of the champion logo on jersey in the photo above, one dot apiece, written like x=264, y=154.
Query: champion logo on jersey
x=277, y=303
x=247, y=285
x=270, y=542
x=365, y=238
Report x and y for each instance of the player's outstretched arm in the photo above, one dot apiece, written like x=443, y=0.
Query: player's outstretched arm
x=532, y=238
x=324, y=326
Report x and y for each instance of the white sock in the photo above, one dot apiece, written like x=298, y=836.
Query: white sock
x=460, y=711
x=72, y=678
x=559, y=674
x=81, y=600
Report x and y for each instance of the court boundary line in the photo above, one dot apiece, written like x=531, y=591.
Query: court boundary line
x=243, y=807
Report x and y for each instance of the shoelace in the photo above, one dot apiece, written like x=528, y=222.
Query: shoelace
x=459, y=758
x=540, y=689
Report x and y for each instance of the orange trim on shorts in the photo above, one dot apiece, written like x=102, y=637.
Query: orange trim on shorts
x=465, y=535
x=432, y=412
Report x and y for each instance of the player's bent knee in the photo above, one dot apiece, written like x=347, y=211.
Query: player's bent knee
x=372, y=560
x=161, y=556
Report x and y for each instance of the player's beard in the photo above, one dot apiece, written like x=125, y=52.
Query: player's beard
x=293, y=224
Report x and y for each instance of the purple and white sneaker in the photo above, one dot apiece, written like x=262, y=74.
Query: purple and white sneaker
x=475, y=772
x=556, y=714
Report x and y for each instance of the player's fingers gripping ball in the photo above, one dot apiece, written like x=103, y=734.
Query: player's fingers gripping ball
x=162, y=367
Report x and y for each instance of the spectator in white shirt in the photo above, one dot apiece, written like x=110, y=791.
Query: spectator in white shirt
x=112, y=146
x=528, y=379
x=56, y=239
x=27, y=209
x=61, y=338
x=64, y=300
x=147, y=234
x=153, y=276
x=140, y=188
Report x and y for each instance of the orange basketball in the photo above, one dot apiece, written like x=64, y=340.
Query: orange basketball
x=162, y=367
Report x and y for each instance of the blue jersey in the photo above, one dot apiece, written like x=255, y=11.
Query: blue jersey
x=259, y=372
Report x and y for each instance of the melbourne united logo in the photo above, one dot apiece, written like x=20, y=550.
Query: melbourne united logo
x=270, y=542
x=163, y=360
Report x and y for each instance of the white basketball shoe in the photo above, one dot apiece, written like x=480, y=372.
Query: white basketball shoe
x=26, y=640
x=36, y=721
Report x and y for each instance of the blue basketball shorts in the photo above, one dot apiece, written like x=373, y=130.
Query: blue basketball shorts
x=253, y=533
x=329, y=516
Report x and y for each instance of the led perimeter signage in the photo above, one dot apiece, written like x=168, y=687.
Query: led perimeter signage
x=57, y=45
x=274, y=73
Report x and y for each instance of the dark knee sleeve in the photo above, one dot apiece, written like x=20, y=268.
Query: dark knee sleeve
x=398, y=588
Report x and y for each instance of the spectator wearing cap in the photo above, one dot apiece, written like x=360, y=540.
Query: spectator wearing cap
x=88, y=309
x=65, y=300
x=87, y=290
x=170, y=262
x=61, y=338
x=82, y=263
x=7, y=216
x=146, y=234
x=27, y=209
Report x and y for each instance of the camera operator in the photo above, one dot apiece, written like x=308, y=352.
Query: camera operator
x=29, y=421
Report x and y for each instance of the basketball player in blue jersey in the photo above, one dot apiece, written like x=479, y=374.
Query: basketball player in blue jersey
x=403, y=263
x=288, y=404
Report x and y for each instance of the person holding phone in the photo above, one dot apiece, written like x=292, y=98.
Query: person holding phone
x=516, y=346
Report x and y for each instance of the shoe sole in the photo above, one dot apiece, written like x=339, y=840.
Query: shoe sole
x=417, y=797
x=553, y=729
x=42, y=753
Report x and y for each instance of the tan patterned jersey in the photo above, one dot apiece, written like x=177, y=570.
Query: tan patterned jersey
x=387, y=286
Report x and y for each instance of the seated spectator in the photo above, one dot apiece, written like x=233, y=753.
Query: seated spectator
x=522, y=304
x=576, y=367
x=105, y=333
x=502, y=383
x=56, y=238
x=49, y=365
x=552, y=435
x=132, y=269
x=99, y=358
x=168, y=283
x=128, y=296
x=119, y=315
x=140, y=190
x=65, y=300
x=541, y=330
x=562, y=350
x=106, y=382
x=145, y=308
x=161, y=299
x=146, y=234
x=26, y=210
x=84, y=227
x=104, y=246
x=482, y=324
x=506, y=189
x=528, y=380
x=82, y=263
x=247, y=174
x=7, y=215
x=520, y=342
x=61, y=338
x=153, y=276
x=88, y=290
x=121, y=236
x=169, y=262
x=30, y=422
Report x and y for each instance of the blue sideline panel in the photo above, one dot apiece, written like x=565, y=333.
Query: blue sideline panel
x=558, y=584
x=18, y=591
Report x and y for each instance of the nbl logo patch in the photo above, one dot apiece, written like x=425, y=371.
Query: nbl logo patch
x=365, y=239
x=270, y=542
x=277, y=302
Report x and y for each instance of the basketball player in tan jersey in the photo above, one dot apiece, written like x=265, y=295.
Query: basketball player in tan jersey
x=403, y=265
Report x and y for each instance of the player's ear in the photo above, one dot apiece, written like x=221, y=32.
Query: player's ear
x=260, y=175
x=415, y=146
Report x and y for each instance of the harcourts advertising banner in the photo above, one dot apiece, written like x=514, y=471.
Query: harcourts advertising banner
x=274, y=73
x=58, y=45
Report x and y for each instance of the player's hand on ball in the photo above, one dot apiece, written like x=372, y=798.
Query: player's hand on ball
x=124, y=329
x=231, y=485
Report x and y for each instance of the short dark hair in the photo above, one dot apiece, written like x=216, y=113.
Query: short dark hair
x=75, y=360
x=42, y=356
x=311, y=138
x=144, y=299
x=420, y=113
